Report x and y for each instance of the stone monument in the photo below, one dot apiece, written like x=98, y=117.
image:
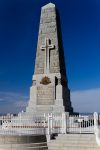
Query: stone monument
x=49, y=91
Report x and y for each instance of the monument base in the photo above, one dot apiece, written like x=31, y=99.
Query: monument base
x=48, y=94
x=45, y=109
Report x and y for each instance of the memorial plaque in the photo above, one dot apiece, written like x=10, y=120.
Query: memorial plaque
x=45, y=95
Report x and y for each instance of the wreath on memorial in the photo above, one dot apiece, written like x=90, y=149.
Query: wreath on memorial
x=45, y=81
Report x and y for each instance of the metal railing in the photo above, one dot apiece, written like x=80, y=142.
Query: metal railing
x=80, y=124
x=47, y=123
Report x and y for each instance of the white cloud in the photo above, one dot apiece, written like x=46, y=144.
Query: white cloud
x=86, y=101
x=82, y=101
x=11, y=102
x=12, y=96
x=21, y=104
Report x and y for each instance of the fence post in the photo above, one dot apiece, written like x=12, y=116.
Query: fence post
x=80, y=123
x=67, y=122
x=20, y=123
x=95, y=122
x=44, y=123
x=51, y=122
x=64, y=123
x=48, y=132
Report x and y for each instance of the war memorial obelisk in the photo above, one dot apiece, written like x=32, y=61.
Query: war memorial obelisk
x=49, y=91
x=52, y=128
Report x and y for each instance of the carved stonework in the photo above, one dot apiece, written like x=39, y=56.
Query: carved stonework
x=45, y=95
x=34, y=82
x=49, y=91
x=47, y=48
x=47, y=56
x=45, y=81
x=59, y=81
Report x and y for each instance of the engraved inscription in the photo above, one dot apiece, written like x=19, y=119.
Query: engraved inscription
x=48, y=15
x=48, y=27
x=45, y=95
x=47, y=30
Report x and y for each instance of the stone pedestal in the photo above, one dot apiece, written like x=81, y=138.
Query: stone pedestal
x=46, y=94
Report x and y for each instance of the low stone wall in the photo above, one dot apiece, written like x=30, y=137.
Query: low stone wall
x=23, y=142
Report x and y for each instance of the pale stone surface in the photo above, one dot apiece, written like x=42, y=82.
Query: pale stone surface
x=23, y=142
x=17, y=139
x=50, y=5
x=49, y=91
x=73, y=142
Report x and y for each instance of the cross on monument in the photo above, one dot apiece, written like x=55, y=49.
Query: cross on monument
x=47, y=47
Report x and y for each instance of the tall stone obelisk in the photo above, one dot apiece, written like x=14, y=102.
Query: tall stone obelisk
x=49, y=91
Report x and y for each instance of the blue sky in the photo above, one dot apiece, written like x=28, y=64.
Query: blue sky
x=19, y=24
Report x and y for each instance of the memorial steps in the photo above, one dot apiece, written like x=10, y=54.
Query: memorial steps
x=73, y=142
x=23, y=142
x=61, y=142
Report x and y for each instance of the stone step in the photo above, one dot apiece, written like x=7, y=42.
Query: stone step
x=77, y=144
x=80, y=140
x=68, y=146
x=74, y=148
x=22, y=147
x=73, y=139
x=73, y=142
x=76, y=136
